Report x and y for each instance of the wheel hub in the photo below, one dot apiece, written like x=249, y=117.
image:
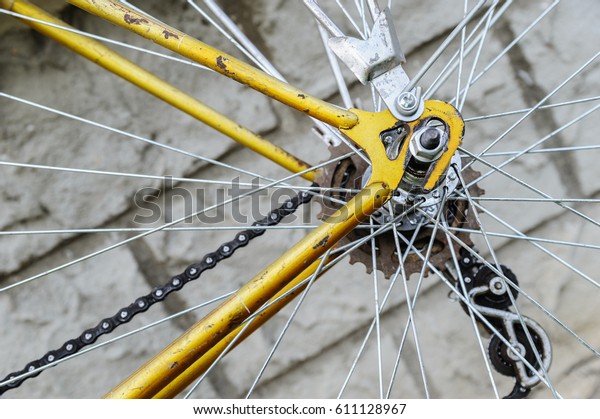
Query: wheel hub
x=424, y=149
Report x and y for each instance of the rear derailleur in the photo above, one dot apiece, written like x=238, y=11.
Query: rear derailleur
x=519, y=347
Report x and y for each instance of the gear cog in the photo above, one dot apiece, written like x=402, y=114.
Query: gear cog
x=348, y=174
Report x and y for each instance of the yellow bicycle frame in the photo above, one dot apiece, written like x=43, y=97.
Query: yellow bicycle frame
x=189, y=356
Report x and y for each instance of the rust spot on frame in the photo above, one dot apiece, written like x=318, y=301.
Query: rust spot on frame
x=132, y=20
x=322, y=242
x=221, y=63
x=168, y=34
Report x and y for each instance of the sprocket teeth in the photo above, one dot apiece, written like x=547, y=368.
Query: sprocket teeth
x=348, y=173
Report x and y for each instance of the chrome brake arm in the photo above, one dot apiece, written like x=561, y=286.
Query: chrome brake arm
x=377, y=60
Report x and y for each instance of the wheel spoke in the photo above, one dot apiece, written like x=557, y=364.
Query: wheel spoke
x=107, y=40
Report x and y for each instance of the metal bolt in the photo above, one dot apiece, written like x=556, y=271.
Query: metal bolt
x=209, y=260
x=514, y=352
x=430, y=138
x=407, y=103
x=497, y=287
x=226, y=249
x=436, y=194
x=193, y=271
x=242, y=237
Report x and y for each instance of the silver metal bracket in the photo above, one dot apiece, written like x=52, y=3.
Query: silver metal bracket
x=377, y=60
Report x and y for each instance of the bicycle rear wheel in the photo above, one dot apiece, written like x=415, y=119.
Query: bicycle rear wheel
x=538, y=215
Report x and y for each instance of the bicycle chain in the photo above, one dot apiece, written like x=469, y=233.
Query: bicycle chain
x=142, y=304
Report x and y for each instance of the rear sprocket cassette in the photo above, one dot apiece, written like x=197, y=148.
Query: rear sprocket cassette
x=348, y=174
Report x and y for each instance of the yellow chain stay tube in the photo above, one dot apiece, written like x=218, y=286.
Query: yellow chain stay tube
x=184, y=357
x=155, y=375
x=113, y=62
x=204, y=54
x=279, y=301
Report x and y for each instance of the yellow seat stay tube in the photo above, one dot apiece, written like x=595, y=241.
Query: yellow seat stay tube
x=204, y=54
x=115, y=63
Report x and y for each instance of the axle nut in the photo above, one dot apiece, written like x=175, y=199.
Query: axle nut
x=428, y=144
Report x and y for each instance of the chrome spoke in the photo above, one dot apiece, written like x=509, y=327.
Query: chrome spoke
x=537, y=143
x=288, y=323
x=146, y=233
x=481, y=43
x=121, y=337
x=107, y=40
x=538, y=105
x=461, y=284
x=505, y=283
x=410, y=304
x=520, y=111
x=481, y=318
x=377, y=309
x=444, y=45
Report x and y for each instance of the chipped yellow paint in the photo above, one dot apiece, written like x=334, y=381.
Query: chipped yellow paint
x=204, y=54
x=279, y=301
x=149, y=380
x=115, y=63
